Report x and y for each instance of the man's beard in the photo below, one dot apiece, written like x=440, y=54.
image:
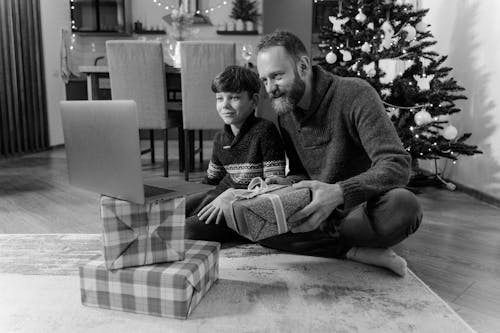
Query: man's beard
x=287, y=102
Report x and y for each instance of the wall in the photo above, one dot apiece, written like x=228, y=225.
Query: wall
x=297, y=18
x=469, y=36
x=54, y=17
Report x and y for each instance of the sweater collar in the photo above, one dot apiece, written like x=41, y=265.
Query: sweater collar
x=322, y=82
x=229, y=138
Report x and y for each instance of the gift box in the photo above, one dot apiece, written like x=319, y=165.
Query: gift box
x=142, y=234
x=262, y=211
x=168, y=290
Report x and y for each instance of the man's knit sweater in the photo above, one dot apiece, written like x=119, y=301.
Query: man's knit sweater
x=257, y=151
x=345, y=137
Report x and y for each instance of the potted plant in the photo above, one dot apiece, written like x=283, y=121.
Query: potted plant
x=245, y=13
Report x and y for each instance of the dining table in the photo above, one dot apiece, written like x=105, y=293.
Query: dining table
x=94, y=75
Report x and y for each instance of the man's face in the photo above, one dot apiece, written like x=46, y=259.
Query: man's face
x=278, y=72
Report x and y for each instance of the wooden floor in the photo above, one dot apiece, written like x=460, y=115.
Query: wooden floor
x=456, y=251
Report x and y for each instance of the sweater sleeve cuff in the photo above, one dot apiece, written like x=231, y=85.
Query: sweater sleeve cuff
x=353, y=193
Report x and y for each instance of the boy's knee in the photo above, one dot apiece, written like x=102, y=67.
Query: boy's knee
x=402, y=212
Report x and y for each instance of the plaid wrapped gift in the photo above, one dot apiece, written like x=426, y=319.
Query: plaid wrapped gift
x=262, y=210
x=136, y=235
x=168, y=290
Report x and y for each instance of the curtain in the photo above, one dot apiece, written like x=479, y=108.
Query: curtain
x=23, y=109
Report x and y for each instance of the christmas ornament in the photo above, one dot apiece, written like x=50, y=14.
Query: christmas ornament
x=331, y=57
x=392, y=111
x=411, y=33
x=370, y=26
x=361, y=17
x=421, y=26
x=346, y=55
x=370, y=69
x=388, y=33
x=366, y=47
x=338, y=22
x=389, y=67
x=387, y=28
x=386, y=92
x=423, y=82
x=422, y=117
x=449, y=132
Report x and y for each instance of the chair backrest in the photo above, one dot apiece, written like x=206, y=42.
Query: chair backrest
x=201, y=61
x=137, y=72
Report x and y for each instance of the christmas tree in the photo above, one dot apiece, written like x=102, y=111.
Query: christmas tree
x=370, y=39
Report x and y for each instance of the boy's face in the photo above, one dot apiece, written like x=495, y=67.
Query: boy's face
x=234, y=108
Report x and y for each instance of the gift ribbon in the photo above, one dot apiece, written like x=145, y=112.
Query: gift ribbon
x=258, y=187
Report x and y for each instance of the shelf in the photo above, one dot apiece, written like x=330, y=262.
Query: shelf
x=150, y=32
x=102, y=33
x=237, y=32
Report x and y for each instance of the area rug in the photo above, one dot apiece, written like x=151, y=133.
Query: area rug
x=259, y=290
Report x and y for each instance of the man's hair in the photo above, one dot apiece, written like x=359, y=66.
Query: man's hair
x=236, y=79
x=292, y=44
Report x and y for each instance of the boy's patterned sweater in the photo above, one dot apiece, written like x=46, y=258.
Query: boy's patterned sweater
x=257, y=151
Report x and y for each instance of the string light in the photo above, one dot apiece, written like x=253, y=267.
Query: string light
x=208, y=10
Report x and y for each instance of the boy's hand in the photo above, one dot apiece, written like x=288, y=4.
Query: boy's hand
x=325, y=198
x=278, y=180
x=211, y=212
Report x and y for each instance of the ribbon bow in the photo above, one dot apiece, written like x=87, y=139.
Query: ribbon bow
x=257, y=187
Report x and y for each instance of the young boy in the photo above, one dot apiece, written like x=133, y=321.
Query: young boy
x=247, y=147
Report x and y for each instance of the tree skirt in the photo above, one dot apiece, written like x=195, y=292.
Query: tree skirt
x=258, y=290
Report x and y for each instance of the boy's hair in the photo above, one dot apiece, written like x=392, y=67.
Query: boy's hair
x=292, y=44
x=236, y=79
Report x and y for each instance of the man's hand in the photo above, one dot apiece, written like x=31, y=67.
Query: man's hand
x=212, y=211
x=278, y=180
x=325, y=198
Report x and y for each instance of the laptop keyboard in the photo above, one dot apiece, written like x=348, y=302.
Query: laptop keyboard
x=151, y=191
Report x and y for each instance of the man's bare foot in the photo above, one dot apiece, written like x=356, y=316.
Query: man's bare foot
x=386, y=258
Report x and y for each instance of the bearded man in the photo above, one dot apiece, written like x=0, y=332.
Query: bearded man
x=343, y=147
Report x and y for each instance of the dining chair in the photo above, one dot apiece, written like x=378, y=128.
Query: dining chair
x=201, y=61
x=137, y=72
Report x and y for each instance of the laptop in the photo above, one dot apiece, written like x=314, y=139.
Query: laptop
x=103, y=153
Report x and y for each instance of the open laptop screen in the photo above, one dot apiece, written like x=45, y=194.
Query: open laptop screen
x=102, y=147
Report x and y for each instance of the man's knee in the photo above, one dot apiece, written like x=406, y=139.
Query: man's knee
x=400, y=211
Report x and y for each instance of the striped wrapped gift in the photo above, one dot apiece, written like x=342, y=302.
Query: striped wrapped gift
x=168, y=290
x=136, y=235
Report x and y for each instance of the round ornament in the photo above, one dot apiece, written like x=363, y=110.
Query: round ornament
x=370, y=26
x=422, y=117
x=421, y=26
x=361, y=17
x=411, y=33
x=331, y=57
x=450, y=132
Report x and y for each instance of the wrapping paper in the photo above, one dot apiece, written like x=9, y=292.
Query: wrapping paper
x=135, y=235
x=262, y=211
x=168, y=290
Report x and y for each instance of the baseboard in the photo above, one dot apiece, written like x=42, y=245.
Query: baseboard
x=485, y=197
